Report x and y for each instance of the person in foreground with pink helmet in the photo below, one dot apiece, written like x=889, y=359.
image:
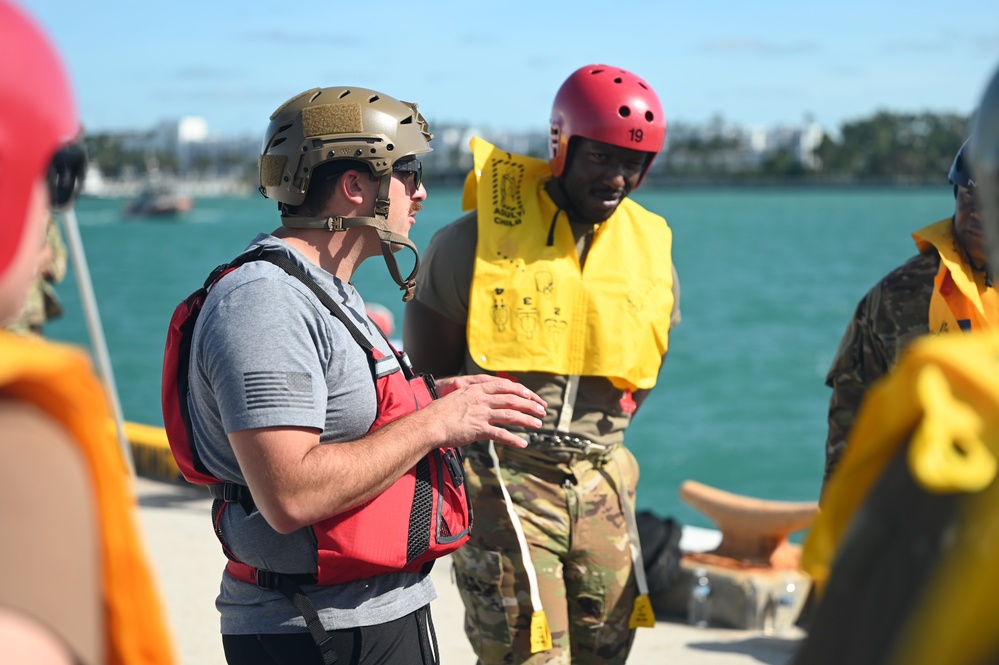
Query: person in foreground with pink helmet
x=76, y=583
x=560, y=281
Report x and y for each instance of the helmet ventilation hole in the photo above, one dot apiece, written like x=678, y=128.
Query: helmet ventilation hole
x=373, y=98
x=624, y=111
x=649, y=116
x=406, y=121
x=390, y=147
x=618, y=80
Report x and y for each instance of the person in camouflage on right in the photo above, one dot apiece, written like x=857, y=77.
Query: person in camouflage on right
x=903, y=552
x=944, y=288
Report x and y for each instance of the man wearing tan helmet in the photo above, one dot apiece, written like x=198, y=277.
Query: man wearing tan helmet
x=560, y=281
x=314, y=435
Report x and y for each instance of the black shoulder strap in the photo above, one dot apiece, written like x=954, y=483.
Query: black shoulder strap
x=283, y=261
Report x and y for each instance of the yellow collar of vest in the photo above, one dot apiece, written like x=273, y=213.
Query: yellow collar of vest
x=534, y=308
x=940, y=236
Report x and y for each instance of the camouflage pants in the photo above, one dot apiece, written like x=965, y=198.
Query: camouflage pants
x=578, y=542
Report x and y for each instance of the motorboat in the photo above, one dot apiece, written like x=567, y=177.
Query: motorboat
x=158, y=201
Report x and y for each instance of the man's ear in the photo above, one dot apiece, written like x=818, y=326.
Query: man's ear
x=354, y=185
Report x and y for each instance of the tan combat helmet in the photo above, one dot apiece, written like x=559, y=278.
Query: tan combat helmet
x=984, y=157
x=342, y=123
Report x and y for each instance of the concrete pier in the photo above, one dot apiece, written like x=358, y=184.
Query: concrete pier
x=189, y=561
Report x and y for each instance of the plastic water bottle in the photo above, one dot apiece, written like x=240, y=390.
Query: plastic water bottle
x=699, y=602
x=754, y=612
x=784, y=610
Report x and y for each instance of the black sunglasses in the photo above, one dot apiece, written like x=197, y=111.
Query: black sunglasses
x=65, y=175
x=414, y=166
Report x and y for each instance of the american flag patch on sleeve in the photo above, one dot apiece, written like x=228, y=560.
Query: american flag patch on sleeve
x=276, y=390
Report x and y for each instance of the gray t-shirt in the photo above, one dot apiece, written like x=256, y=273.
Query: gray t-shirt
x=267, y=353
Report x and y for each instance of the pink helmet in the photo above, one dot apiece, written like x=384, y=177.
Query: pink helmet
x=606, y=104
x=37, y=117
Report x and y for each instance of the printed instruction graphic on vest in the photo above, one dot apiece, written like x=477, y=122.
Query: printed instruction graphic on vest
x=527, y=313
x=508, y=203
x=501, y=313
x=545, y=283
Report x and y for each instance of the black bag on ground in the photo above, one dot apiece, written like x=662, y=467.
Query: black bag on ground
x=660, y=538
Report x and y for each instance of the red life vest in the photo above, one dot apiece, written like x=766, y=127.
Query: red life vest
x=423, y=516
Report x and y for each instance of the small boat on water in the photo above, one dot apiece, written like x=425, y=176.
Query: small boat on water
x=158, y=201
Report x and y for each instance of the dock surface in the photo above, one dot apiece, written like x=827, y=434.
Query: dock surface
x=176, y=520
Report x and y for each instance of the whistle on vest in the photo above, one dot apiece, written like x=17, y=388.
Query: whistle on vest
x=628, y=403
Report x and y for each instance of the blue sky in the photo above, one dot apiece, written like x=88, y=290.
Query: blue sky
x=497, y=65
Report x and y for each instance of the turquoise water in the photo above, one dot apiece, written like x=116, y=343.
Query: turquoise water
x=769, y=280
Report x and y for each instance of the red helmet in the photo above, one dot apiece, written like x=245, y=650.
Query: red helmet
x=37, y=117
x=606, y=104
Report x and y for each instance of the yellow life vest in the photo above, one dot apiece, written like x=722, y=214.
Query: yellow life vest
x=58, y=379
x=533, y=308
x=961, y=300
x=945, y=394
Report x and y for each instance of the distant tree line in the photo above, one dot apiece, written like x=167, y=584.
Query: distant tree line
x=890, y=146
x=886, y=148
x=110, y=152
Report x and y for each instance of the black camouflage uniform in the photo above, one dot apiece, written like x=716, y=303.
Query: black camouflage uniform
x=892, y=314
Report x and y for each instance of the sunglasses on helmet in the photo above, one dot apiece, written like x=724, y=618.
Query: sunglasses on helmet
x=414, y=166
x=65, y=174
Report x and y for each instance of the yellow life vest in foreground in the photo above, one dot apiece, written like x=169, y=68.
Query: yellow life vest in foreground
x=945, y=392
x=532, y=308
x=961, y=300
x=58, y=379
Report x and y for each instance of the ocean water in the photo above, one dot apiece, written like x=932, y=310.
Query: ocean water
x=769, y=279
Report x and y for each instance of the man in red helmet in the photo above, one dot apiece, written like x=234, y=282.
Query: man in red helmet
x=549, y=574
x=76, y=585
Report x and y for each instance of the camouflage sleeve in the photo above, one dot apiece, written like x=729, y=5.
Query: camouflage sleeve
x=886, y=320
x=55, y=268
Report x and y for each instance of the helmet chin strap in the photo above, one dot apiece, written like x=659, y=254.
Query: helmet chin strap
x=385, y=236
x=569, y=208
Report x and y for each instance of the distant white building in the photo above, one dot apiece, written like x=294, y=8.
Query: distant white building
x=809, y=141
x=170, y=135
x=801, y=142
x=192, y=129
